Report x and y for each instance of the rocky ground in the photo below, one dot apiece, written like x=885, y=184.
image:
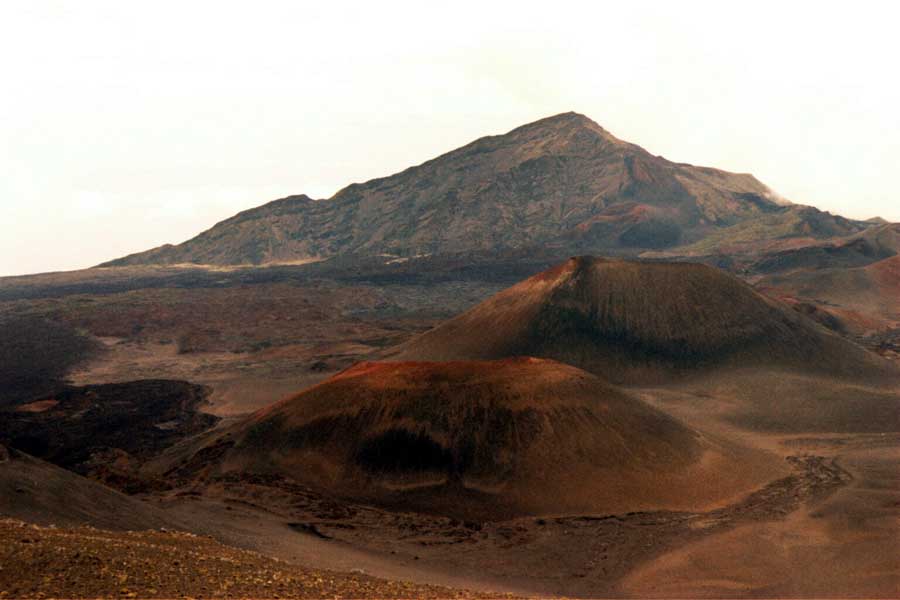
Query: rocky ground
x=41, y=562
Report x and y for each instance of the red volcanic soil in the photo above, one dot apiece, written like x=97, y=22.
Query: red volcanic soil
x=482, y=440
x=639, y=322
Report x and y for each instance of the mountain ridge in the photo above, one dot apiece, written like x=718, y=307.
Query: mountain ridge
x=562, y=181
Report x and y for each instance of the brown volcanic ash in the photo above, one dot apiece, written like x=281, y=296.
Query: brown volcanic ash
x=484, y=440
x=641, y=321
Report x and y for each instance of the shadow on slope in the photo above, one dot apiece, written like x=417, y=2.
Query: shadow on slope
x=35, y=354
x=482, y=440
x=642, y=322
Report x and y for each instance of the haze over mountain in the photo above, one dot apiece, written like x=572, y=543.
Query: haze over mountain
x=562, y=182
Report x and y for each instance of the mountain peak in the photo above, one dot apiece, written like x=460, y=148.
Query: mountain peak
x=567, y=121
x=567, y=117
x=562, y=181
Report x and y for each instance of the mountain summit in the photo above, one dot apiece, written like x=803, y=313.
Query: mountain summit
x=561, y=182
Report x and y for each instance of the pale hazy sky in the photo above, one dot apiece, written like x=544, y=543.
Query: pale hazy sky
x=125, y=125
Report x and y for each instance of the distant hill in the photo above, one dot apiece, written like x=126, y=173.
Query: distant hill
x=792, y=228
x=871, y=245
x=631, y=321
x=481, y=440
x=851, y=284
x=562, y=182
x=861, y=299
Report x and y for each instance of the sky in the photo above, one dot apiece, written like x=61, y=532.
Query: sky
x=127, y=125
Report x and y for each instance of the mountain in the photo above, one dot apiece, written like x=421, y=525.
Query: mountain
x=861, y=300
x=480, y=440
x=790, y=229
x=850, y=284
x=869, y=246
x=562, y=182
x=631, y=321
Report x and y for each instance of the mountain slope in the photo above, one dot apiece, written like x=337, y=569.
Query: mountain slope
x=641, y=321
x=38, y=492
x=563, y=181
x=789, y=229
x=863, y=300
x=481, y=440
x=876, y=243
